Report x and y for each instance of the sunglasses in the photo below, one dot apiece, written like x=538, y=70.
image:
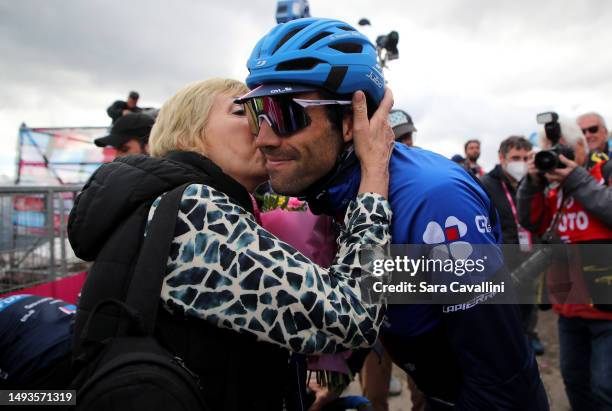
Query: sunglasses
x=284, y=114
x=592, y=130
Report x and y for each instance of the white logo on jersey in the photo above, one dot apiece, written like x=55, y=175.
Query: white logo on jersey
x=482, y=224
x=454, y=230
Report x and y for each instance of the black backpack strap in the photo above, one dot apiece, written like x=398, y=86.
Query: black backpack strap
x=145, y=287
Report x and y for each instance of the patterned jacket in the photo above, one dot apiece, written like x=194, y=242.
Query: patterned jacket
x=237, y=298
x=229, y=271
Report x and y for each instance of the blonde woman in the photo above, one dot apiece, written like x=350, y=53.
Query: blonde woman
x=236, y=299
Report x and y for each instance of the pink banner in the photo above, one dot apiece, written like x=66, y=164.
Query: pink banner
x=67, y=288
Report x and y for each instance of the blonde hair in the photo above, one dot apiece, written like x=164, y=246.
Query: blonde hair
x=182, y=119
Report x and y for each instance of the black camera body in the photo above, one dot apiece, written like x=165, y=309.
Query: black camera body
x=540, y=260
x=386, y=48
x=389, y=43
x=548, y=160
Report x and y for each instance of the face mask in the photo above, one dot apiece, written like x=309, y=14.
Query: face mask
x=517, y=169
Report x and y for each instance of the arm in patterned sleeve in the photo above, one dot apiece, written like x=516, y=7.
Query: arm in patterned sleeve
x=226, y=269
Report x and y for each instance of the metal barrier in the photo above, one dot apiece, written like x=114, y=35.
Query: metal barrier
x=34, y=248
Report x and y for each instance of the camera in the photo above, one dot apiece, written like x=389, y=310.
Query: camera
x=388, y=44
x=548, y=160
x=539, y=261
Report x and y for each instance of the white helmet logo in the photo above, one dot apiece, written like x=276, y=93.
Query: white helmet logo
x=375, y=79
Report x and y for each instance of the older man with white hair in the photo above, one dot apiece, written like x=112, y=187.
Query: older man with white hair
x=594, y=128
x=574, y=202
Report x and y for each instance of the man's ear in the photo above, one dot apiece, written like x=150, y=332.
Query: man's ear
x=347, y=127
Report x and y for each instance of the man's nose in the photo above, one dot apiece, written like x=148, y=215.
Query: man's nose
x=267, y=137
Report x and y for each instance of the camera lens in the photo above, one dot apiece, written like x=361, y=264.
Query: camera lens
x=546, y=160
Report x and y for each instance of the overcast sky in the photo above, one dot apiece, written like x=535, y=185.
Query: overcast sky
x=467, y=69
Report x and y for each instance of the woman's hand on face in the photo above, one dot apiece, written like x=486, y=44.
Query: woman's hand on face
x=373, y=138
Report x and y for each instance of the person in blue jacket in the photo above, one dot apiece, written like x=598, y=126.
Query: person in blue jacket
x=303, y=77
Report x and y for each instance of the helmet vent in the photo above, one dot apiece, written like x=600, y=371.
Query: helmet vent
x=315, y=39
x=298, y=64
x=346, y=28
x=347, y=47
x=335, y=78
x=286, y=38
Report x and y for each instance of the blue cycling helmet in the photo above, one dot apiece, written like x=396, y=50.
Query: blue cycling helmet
x=318, y=52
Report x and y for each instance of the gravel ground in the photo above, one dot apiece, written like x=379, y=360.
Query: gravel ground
x=549, y=362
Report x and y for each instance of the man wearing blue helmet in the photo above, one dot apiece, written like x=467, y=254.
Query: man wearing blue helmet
x=303, y=76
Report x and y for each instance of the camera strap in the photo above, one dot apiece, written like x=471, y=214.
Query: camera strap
x=557, y=216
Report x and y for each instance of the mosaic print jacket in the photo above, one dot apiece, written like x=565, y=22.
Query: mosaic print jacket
x=226, y=269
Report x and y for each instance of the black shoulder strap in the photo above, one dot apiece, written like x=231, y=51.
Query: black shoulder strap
x=145, y=287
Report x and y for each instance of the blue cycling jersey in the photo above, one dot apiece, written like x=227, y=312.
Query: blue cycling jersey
x=434, y=201
x=472, y=358
x=35, y=332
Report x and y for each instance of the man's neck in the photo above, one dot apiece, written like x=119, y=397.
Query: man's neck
x=335, y=194
x=471, y=163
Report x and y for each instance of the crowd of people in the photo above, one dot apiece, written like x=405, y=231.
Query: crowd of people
x=251, y=302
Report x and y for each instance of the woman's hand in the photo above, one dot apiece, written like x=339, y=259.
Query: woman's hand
x=323, y=396
x=373, y=140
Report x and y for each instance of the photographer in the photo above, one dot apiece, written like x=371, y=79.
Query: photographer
x=122, y=108
x=502, y=183
x=595, y=131
x=564, y=198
